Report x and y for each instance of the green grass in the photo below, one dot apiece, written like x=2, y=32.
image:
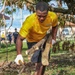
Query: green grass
x=61, y=63
x=9, y=52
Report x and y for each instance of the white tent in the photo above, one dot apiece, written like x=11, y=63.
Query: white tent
x=12, y=29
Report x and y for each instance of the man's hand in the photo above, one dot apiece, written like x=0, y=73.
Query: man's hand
x=19, y=59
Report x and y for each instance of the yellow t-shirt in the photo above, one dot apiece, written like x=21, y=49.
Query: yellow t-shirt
x=3, y=35
x=33, y=30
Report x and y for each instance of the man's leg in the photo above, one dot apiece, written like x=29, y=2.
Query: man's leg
x=40, y=69
x=36, y=58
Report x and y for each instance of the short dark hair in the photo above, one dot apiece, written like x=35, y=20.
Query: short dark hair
x=15, y=28
x=42, y=6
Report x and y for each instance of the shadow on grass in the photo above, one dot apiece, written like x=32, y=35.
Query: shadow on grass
x=6, y=45
x=63, y=64
x=11, y=50
x=64, y=60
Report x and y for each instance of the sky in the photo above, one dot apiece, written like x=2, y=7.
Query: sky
x=54, y=4
x=18, y=17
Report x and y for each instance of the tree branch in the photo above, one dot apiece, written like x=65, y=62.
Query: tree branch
x=2, y=10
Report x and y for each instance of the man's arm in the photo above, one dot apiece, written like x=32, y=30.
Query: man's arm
x=19, y=58
x=19, y=44
x=54, y=32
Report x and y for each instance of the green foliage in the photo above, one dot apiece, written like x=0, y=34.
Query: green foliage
x=44, y=0
x=10, y=10
x=1, y=23
x=3, y=45
x=61, y=20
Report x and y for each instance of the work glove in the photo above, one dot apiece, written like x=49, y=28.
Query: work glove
x=53, y=41
x=19, y=60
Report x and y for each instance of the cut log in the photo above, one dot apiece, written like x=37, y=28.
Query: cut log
x=36, y=46
x=45, y=53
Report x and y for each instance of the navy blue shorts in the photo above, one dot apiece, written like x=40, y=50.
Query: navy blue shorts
x=36, y=58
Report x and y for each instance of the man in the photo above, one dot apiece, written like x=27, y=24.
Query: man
x=15, y=34
x=34, y=29
x=3, y=37
x=9, y=37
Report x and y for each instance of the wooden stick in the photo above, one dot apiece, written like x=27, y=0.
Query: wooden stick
x=45, y=53
x=36, y=46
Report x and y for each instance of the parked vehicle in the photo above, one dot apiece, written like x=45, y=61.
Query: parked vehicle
x=67, y=32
